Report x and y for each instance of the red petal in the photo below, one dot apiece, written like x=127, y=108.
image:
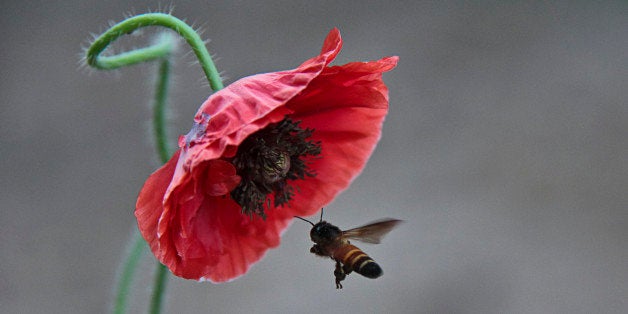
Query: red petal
x=216, y=177
x=346, y=107
x=332, y=45
x=203, y=237
x=223, y=243
x=149, y=207
x=249, y=104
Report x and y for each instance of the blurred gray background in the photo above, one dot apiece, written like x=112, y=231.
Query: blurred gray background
x=505, y=150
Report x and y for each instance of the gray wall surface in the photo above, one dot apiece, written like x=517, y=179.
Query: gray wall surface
x=505, y=150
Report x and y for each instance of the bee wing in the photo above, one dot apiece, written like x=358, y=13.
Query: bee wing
x=373, y=232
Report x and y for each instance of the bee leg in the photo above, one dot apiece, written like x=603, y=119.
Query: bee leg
x=340, y=274
x=318, y=250
x=347, y=269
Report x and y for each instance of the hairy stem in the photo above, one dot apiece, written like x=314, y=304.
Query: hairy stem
x=153, y=52
x=158, y=51
x=159, y=111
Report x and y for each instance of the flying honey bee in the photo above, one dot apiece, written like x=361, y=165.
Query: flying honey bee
x=332, y=242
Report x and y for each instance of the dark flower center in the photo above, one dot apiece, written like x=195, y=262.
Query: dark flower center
x=267, y=160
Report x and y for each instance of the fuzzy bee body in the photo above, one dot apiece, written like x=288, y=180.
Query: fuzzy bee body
x=332, y=242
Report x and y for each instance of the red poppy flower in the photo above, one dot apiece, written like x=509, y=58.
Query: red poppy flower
x=272, y=145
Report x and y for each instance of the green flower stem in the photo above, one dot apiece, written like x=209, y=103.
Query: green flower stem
x=163, y=150
x=154, y=52
x=159, y=111
x=159, y=286
x=159, y=51
x=128, y=272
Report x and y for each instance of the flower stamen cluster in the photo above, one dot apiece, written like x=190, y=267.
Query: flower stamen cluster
x=267, y=160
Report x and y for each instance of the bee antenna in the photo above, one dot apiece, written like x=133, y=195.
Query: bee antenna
x=322, y=214
x=311, y=223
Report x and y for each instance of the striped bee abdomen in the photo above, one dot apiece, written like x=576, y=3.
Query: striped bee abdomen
x=353, y=258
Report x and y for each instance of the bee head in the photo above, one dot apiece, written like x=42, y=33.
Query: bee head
x=324, y=231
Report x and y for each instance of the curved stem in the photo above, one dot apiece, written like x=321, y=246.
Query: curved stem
x=160, y=50
x=150, y=53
